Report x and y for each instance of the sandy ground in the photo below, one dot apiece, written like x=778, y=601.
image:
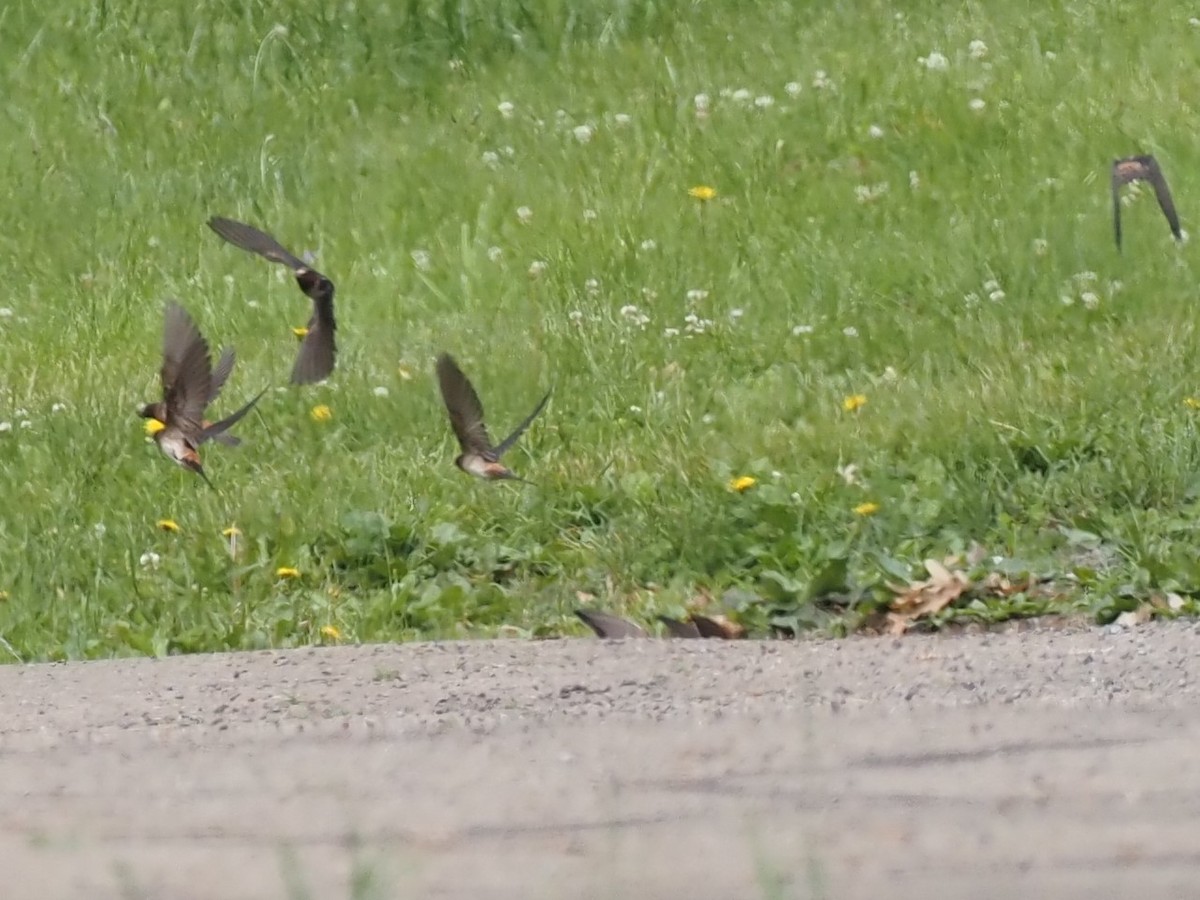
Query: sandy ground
x=1038, y=764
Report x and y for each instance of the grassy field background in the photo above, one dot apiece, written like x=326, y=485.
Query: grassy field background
x=910, y=208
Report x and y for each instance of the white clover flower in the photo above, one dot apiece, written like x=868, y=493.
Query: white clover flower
x=850, y=331
x=583, y=133
x=26, y=424
x=622, y=119
x=508, y=151
x=848, y=473
x=1090, y=299
x=1084, y=277
x=649, y=244
x=575, y=316
x=798, y=330
x=914, y=180
x=737, y=313
x=670, y=332
x=149, y=560
x=100, y=529
x=490, y=158
x=696, y=295
x=58, y=407
x=875, y=132
x=977, y=104
x=629, y=310
x=702, y=104
x=561, y=116
x=421, y=259
x=1066, y=299
x=869, y=193
x=991, y=285
x=380, y=391
x=741, y=95
x=590, y=215
x=971, y=299
x=996, y=296
x=649, y=293
x=890, y=375
x=495, y=254
x=5, y=312
x=524, y=214
x=1051, y=55
x=1040, y=246
x=506, y=109
x=708, y=418
x=5, y=426
x=822, y=81
x=978, y=49
x=793, y=88
x=765, y=101
x=536, y=268
x=592, y=286
x=636, y=410
x=935, y=62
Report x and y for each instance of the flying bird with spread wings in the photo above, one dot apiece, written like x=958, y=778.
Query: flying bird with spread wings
x=1142, y=168
x=479, y=457
x=189, y=385
x=318, y=347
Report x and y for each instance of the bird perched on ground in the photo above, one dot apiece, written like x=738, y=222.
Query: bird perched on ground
x=318, y=347
x=189, y=384
x=479, y=456
x=1142, y=168
x=608, y=626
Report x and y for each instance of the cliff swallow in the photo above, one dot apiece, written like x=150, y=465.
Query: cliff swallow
x=479, y=457
x=1142, y=168
x=609, y=626
x=189, y=385
x=317, y=345
x=698, y=626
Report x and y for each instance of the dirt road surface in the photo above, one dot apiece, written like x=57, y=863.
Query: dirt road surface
x=1038, y=764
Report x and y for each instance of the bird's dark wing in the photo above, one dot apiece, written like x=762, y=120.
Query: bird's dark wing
x=609, y=626
x=318, y=350
x=1156, y=178
x=505, y=444
x=221, y=372
x=679, y=629
x=186, y=371
x=247, y=237
x=1118, y=179
x=216, y=430
x=462, y=403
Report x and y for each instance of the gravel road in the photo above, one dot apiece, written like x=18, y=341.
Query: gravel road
x=1038, y=763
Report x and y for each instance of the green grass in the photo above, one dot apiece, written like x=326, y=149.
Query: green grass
x=1053, y=435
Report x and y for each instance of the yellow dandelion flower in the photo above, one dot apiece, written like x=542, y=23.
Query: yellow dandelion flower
x=287, y=572
x=854, y=402
x=702, y=192
x=866, y=509
x=231, y=532
x=330, y=633
x=301, y=332
x=742, y=483
x=1191, y=402
x=153, y=427
x=168, y=525
x=321, y=413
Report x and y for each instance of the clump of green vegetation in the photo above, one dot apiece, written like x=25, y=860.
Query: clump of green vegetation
x=821, y=294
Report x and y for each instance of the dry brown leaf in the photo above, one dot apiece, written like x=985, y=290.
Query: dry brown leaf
x=924, y=598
